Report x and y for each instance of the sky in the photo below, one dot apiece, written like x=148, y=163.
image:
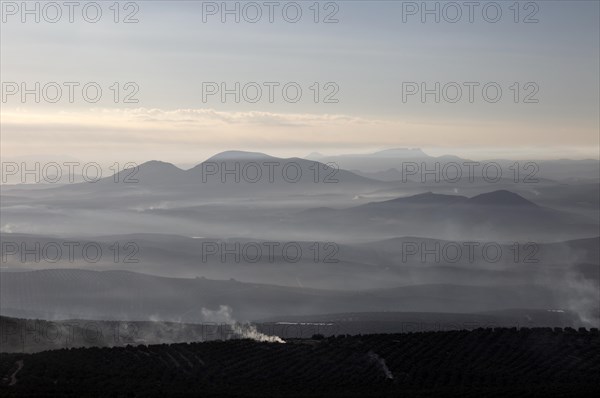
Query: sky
x=544, y=56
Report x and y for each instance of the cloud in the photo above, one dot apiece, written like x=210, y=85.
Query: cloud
x=189, y=134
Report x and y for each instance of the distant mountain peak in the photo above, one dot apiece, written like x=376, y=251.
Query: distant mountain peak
x=238, y=155
x=501, y=197
x=151, y=172
x=156, y=165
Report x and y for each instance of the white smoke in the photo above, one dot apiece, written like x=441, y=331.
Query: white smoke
x=154, y=318
x=7, y=228
x=245, y=331
x=376, y=358
x=583, y=298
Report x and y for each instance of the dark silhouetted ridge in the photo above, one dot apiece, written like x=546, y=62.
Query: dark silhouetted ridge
x=500, y=198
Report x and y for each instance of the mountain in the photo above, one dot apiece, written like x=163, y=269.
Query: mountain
x=226, y=173
x=554, y=169
x=501, y=198
x=238, y=193
x=454, y=205
x=498, y=214
x=423, y=199
x=319, y=265
x=120, y=295
x=240, y=156
x=377, y=161
x=248, y=166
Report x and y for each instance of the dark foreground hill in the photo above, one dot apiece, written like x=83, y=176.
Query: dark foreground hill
x=483, y=362
x=36, y=335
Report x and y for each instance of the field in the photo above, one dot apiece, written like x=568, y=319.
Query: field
x=484, y=362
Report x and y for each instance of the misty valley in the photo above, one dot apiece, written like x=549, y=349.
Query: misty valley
x=348, y=198
x=174, y=257
x=172, y=242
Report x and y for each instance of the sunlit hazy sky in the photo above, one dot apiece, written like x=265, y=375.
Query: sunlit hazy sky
x=368, y=54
